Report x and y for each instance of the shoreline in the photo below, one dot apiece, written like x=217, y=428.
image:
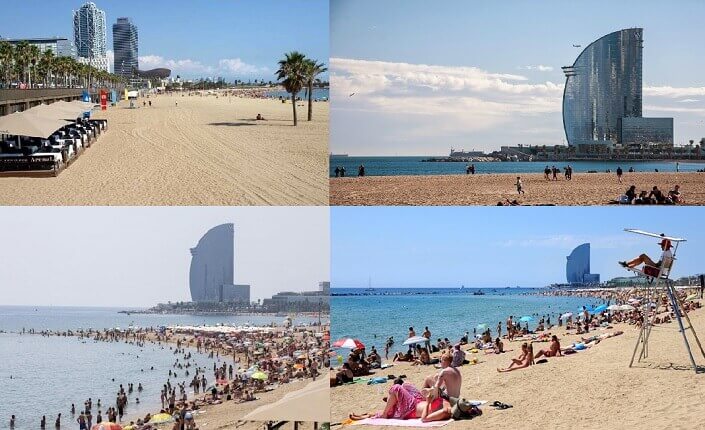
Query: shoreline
x=585, y=189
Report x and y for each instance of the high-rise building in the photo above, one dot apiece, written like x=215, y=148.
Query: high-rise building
x=89, y=34
x=125, y=48
x=602, y=99
x=577, y=268
x=60, y=46
x=212, y=266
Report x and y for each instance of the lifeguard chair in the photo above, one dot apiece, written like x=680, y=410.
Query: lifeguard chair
x=658, y=282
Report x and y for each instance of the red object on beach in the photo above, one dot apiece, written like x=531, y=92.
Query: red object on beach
x=105, y=425
x=348, y=343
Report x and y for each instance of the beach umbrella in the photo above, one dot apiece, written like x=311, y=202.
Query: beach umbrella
x=414, y=340
x=614, y=308
x=106, y=425
x=626, y=308
x=161, y=418
x=526, y=318
x=348, y=343
x=259, y=375
x=567, y=315
x=600, y=308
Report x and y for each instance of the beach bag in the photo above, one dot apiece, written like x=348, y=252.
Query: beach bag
x=464, y=410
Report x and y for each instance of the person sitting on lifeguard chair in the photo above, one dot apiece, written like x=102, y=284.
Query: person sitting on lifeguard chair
x=651, y=268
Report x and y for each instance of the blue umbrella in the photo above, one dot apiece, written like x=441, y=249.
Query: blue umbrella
x=526, y=318
x=600, y=308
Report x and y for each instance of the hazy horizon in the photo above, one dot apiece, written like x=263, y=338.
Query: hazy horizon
x=138, y=257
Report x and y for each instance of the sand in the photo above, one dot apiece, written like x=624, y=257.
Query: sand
x=205, y=151
x=593, y=389
x=488, y=189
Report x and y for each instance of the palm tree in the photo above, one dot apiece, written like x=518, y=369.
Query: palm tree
x=313, y=69
x=21, y=59
x=33, y=55
x=7, y=61
x=45, y=66
x=291, y=73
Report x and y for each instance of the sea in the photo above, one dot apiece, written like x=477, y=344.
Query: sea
x=318, y=94
x=45, y=375
x=373, y=315
x=394, y=166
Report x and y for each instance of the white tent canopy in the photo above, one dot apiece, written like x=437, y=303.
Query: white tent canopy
x=310, y=404
x=31, y=124
x=42, y=120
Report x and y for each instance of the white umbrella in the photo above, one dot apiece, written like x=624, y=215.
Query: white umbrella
x=626, y=308
x=415, y=340
x=567, y=315
x=613, y=307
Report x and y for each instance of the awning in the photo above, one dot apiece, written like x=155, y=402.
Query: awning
x=31, y=124
x=310, y=404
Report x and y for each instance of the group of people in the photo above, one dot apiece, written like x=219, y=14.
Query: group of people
x=551, y=173
x=654, y=197
x=340, y=171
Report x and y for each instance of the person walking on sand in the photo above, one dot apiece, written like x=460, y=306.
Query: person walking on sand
x=619, y=174
x=518, y=184
x=361, y=170
x=337, y=171
x=554, y=171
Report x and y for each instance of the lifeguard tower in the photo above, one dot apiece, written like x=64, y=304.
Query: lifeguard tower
x=658, y=284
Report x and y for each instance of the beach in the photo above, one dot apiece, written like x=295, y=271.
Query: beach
x=489, y=189
x=592, y=389
x=205, y=151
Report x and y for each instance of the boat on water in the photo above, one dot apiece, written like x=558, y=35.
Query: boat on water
x=478, y=293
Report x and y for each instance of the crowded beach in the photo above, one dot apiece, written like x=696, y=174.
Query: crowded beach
x=252, y=367
x=572, y=365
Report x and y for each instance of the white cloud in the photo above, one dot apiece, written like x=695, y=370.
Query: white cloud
x=673, y=92
x=538, y=67
x=688, y=101
x=226, y=66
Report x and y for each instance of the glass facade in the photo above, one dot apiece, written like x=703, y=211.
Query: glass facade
x=89, y=34
x=212, y=264
x=125, y=42
x=577, y=268
x=61, y=47
x=603, y=86
x=647, y=131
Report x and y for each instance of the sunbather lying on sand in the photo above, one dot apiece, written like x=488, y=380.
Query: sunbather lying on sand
x=405, y=402
x=525, y=359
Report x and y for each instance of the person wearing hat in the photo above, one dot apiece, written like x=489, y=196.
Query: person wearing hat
x=647, y=261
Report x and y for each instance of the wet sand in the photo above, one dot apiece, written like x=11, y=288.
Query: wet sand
x=592, y=389
x=488, y=189
x=205, y=151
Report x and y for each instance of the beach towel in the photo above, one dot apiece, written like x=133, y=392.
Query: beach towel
x=400, y=423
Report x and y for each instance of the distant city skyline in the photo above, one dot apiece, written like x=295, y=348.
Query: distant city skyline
x=497, y=247
x=233, y=40
x=477, y=76
x=138, y=257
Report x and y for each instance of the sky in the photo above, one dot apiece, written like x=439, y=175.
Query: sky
x=497, y=247
x=121, y=257
x=424, y=77
x=241, y=39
